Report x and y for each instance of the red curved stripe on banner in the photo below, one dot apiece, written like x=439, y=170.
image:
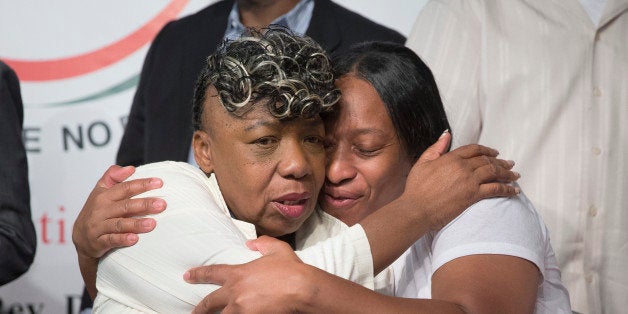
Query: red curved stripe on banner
x=89, y=62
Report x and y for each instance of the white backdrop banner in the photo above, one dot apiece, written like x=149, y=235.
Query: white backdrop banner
x=78, y=63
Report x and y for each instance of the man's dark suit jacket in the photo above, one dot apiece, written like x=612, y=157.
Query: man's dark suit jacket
x=17, y=233
x=160, y=122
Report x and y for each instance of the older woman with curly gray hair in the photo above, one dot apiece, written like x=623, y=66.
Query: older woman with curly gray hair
x=290, y=75
x=258, y=142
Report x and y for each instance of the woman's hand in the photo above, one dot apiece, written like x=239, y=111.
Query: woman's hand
x=448, y=183
x=438, y=188
x=106, y=220
x=277, y=282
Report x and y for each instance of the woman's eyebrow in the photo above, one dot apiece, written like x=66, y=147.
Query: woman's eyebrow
x=367, y=131
x=274, y=123
x=313, y=122
x=261, y=123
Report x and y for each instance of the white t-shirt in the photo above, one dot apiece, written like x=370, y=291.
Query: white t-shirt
x=506, y=226
x=196, y=229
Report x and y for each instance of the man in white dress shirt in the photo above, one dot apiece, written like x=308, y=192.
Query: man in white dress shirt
x=546, y=82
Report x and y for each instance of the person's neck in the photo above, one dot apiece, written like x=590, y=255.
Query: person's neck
x=289, y=238
x=260, y=13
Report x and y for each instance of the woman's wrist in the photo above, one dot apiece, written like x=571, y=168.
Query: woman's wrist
x=305, y=284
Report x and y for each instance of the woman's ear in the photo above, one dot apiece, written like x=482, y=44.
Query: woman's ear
x=202, y=151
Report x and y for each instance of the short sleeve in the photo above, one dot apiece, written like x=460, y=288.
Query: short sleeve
x=507, y=226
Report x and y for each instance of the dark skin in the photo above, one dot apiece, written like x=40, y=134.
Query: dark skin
x=106, y=220
x=480, y=161
x=471, y=284
x=253, y=13
x=115, y=216
x=298, y=287
x=481, y=283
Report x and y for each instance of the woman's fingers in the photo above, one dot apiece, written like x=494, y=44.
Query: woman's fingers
x=105, y=220
x=496, y=189
x=474, y=150
x=216, y=274
x=135, y=207
x=437, y=149
x=116, y=240
x=114, y=175
x=214, y=302
x=128, y=189
x=495, y=173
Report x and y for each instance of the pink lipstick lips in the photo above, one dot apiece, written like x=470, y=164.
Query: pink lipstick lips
x=292, y=205
x=340, y=199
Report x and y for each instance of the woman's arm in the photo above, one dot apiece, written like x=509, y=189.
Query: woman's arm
x=488, y=283
x=438, y=189
x=473, y=284
x=147, y=276
x=490, y=259
x=104, y=221
x=110, y=228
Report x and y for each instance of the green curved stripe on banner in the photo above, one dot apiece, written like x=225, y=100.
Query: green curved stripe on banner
x=118, y=88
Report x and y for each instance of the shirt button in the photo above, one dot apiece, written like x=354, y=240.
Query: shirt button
x=596, y=151
x=597, y=92
x=589, y=278
x=592, y=211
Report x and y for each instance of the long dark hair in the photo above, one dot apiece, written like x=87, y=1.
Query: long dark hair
x=406, y=86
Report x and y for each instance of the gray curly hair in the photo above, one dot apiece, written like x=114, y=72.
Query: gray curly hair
x=291, y=74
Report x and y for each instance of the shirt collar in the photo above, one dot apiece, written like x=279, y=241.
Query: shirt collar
x=297, y=19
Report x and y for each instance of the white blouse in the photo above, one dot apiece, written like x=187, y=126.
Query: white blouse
x=196, y=229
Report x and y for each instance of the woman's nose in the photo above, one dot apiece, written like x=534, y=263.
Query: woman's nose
x=295, y=161
x=339, y=168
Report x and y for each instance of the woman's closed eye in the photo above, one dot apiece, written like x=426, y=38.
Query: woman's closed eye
x=367, y=151
x=317, y=140
x=266, y=141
